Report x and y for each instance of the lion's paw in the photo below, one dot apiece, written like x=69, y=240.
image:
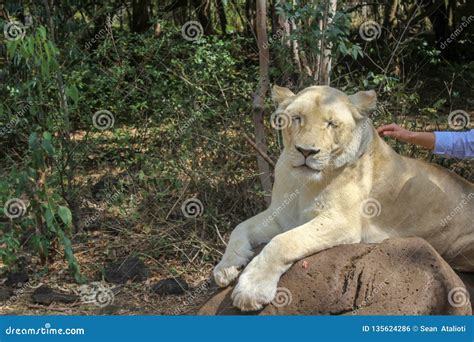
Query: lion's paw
x=223, y=275
x=252, y=292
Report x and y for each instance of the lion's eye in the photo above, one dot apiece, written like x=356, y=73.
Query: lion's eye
x=296, y=119
x=332, y=124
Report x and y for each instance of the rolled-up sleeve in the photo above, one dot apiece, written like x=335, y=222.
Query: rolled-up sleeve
x=455, y=144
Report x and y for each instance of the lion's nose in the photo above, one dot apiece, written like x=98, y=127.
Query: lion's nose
x=307, y=151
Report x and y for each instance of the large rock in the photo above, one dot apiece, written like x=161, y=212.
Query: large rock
x=400, y=276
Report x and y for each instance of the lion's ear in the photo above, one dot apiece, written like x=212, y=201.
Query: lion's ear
x=280, y=94
x=364, y=101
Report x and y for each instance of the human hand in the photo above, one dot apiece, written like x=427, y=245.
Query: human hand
x=395, y=131
x=423, y=139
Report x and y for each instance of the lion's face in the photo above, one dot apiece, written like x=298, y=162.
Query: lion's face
x=321, y=125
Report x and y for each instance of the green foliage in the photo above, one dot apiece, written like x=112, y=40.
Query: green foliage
x=314, y=40
x=38, y=176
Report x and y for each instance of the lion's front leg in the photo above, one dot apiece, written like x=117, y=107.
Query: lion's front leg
x=257, y=230
x=258, y=283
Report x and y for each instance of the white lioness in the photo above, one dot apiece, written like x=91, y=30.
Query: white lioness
x=337, y=182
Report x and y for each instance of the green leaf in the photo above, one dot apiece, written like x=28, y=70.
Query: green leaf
x=48, y=147
x=73, y=93
x=32, y=140
x=47, y=136
x=65, y=215
x=49, y=216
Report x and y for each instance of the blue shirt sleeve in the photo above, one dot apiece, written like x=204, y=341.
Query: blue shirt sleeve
x=455, y=144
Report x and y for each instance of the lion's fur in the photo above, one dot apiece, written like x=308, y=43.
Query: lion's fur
x=353, y=170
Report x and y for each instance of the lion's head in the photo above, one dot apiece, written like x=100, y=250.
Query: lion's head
x=322, y=127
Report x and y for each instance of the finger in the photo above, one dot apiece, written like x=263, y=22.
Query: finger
x=391, y=134
x=385, y=128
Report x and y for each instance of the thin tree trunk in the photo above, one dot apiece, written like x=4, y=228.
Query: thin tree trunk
x=222, y=16
x=140, y=16
x=391, y=14
x=295, y=47
x=250, y=14
x=259, y=99
x=203, y=11
x=326, y=60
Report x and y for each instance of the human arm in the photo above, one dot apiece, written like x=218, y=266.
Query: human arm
x=424, y=139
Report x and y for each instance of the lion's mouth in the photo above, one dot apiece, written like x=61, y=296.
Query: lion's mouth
x=309, y=168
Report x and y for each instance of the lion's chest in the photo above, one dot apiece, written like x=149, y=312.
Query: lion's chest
x=298, y=211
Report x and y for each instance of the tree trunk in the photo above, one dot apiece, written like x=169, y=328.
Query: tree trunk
x=259, y=99
x=391, y=14
x=282, y=30
x=250, y=14
x=140, y=16
x=222, y=16
x=326, y=59
x=203, y=12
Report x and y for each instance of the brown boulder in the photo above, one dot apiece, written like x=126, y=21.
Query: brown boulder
x=400, y=276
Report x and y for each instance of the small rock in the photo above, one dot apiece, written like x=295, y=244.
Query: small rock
x=46, y=295
x=17, y=279
x=130, y=268
x=170, y=286
x=5, y=294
